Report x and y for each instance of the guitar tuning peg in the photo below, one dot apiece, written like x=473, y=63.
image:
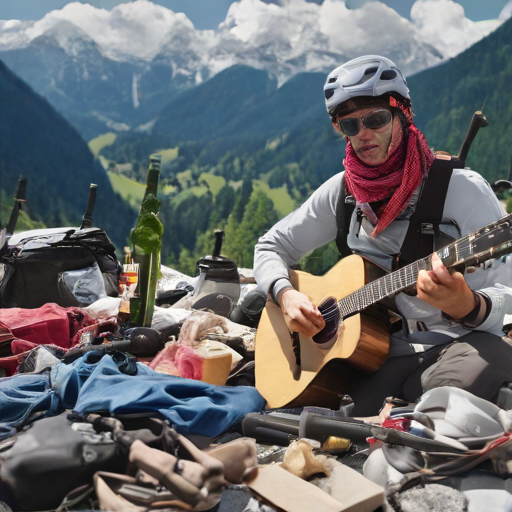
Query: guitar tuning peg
x=470, y=270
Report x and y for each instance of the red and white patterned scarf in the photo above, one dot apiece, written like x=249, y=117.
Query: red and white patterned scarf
x=397, y=178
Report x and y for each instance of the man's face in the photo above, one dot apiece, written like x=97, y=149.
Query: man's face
x=370, y=145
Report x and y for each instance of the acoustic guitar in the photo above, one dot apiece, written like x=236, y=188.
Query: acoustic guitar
x=294, y=370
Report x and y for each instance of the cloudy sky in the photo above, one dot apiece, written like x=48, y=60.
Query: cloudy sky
x=207, y=14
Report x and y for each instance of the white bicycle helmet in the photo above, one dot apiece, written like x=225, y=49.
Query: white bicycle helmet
x=369, y=76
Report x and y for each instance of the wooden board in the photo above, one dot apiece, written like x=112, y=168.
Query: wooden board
x=290, y=493
x=349, y=491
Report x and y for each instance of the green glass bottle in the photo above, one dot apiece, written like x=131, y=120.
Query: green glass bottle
x=146, y=238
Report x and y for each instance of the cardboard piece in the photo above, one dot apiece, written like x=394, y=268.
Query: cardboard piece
x=356, y=492
x=290, y=493
x=345, y=490
x=217, y=361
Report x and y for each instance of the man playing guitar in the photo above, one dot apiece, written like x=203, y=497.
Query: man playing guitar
x=387, y=166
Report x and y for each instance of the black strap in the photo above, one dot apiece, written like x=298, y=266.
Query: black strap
x=419, y=240
x=424, y=223
x=344, y=210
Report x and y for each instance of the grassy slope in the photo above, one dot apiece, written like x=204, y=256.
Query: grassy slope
x=283, y=202
x=215, y=182
x=102, y=141
x=128, y=189
x=168, y=155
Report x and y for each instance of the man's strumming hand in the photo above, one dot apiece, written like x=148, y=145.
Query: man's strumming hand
x=300, y=313
x=447, y=292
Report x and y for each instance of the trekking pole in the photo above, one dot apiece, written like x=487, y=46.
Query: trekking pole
x=18, y=203
x=478, y=121
x=218, y=243
x=87, y=221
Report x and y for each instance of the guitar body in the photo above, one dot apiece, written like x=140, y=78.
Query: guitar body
x=318, y=375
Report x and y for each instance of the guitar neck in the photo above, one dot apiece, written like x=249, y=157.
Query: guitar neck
x=491, y=241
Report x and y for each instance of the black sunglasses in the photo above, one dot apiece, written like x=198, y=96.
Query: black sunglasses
x=350, y=126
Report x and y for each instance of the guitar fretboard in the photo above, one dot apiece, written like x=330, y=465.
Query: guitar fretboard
x=383, y=288
x=491, y=241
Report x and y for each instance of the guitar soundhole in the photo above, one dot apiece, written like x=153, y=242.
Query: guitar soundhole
x=296, y=347
x=332, y=316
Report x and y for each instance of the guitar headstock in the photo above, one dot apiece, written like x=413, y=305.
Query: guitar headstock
x=491, y=241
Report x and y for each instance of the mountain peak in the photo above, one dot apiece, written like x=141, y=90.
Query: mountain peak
x=264, y=33
x=143, y=54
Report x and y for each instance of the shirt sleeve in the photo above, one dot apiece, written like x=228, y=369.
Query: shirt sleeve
x=481, y=207
x=307, y=228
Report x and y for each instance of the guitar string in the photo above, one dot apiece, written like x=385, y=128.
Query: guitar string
x=361, y=299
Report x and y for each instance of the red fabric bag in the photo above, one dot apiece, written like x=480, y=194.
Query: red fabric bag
x=49, y=324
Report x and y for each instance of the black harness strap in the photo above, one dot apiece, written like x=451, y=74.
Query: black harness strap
x=419, y=240
x=344, y=209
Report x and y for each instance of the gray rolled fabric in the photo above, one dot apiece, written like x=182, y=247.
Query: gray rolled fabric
x=430, y=498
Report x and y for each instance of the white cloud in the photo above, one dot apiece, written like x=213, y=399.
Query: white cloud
x=374, y=26
x=443, y=24
x=133, y=30
x=304, y=36
x=284, y=37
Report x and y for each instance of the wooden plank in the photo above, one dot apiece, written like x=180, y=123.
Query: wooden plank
x=290, y=493
x=356, y=492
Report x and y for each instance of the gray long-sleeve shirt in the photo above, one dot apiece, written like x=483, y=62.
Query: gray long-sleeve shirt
x=470, y=202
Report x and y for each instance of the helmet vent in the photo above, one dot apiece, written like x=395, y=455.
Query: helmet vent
x=369, y=73
x=329, y=93
x=332, y=79
x=388, y=74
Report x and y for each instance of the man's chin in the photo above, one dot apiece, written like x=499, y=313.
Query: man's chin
x=372, y=160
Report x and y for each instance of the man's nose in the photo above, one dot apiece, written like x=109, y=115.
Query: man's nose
x=364, y=133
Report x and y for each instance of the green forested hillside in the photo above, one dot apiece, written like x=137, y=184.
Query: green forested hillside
x=444, y=99
x=273, y=150
x=38, y=143
x=202, y=113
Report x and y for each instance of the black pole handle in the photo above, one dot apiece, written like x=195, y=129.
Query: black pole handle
x=21, y=192
x=478, y=121
x=219, y=234
x=87, y=221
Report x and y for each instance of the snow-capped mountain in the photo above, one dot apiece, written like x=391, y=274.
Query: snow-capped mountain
x=118, y=67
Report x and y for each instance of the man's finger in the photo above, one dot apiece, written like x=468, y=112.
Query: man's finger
x=314, y=316
x=442, y=276
x=304, y=327
x=305, y=321
x=426, y=281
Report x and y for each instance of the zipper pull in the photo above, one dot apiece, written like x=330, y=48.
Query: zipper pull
x=359, y=221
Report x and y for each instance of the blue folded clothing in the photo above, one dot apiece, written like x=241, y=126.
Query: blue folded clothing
x=88, y=386
x=24, y=395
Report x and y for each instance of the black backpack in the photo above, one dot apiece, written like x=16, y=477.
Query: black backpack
x=34, y=263
x=58, y=455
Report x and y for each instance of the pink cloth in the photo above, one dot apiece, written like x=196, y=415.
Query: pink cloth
x=180, y=360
